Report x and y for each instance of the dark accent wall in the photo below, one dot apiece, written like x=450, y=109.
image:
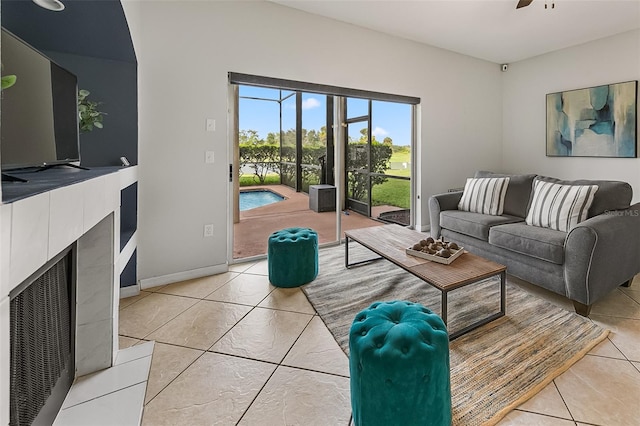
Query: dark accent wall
x=92, y=40
x=113, y=83
x=128, y=213
x=129, y=276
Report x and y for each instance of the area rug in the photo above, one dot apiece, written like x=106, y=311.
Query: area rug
x=494, y=368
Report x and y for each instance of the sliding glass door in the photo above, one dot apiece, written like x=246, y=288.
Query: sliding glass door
x=332, y=158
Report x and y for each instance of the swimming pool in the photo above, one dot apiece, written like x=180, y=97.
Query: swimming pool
x=252, y=199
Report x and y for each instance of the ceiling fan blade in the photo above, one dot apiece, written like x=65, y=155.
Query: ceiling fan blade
x=523, y=3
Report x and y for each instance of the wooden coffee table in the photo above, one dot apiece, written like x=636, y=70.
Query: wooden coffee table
x=391, y=241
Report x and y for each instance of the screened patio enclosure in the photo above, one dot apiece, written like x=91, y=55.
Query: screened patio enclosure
x=311, y=134
x=299, y=151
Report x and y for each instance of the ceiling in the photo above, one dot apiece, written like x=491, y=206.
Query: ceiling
x=487, y=29
x=95, y=28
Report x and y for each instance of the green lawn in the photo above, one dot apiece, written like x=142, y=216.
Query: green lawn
x=394, y=192
x=401, y=157
x=401, y=172
x=250, y=180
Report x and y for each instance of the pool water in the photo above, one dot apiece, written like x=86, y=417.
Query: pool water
x=252, y=199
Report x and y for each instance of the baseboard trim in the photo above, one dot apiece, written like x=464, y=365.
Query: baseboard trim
x=182, y=276
x=425, y=228
x=129, y=291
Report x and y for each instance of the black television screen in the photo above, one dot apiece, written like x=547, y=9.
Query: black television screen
x=39, y=113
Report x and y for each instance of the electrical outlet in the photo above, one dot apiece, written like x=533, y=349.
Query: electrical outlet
x=208, y=230
x=209, y=157
x=211, y=125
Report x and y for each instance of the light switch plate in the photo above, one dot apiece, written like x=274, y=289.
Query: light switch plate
x=211, y=125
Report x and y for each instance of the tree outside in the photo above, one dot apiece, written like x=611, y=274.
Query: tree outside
x=263, y=162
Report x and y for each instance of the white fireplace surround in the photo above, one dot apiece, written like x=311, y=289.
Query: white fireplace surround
x=35, y=229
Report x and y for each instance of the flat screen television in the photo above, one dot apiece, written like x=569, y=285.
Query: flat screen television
x=39, y=113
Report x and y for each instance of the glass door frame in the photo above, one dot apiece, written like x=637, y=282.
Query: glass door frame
x=360, y=206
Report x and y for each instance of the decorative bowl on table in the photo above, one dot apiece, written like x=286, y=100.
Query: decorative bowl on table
x=440, y=251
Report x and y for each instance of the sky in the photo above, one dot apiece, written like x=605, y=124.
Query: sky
x=388, y=118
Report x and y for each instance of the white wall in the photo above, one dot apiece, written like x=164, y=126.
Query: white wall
x=185, y=50
x=611, y=60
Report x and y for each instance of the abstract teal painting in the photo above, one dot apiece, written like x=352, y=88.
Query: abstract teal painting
x=594, y=122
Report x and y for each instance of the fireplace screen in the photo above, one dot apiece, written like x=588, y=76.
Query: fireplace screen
x=41, y=345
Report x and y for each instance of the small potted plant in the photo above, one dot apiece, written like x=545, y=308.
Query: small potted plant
x=88, y=112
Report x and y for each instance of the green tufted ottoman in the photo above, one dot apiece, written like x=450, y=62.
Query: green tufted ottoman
x=399, y=365
x=293, y=257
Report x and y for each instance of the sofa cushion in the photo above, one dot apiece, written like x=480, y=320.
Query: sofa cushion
x=559, y=207
x=516, y=200
x=611, y=194
x=484, y=195
x=542, y=243
x=473, y=224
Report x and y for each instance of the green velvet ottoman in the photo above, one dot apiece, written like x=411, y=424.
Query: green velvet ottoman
x=293, y=257
x=399, y=365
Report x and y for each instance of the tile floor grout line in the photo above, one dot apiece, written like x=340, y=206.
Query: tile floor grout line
x=563, y=400
x=544, y=414
x=296, y=340
x=610, y=357
x=108, y=393
x=244, y=357
x=171, y=319
x=190, y=364
x=144, y=404
x=134, y=302
x=257, y=394
x=616, y=346
x=174, y=345
x=279, y=364
x=285, y=310
x=230, y=328
x=131, y=360
x=225, y=283
x=315, y=371
x=268, y=294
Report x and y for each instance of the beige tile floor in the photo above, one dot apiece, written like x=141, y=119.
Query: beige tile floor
x=232, y=349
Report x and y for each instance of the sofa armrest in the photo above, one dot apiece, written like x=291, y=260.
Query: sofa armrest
x=438, y=203
x=601, y=253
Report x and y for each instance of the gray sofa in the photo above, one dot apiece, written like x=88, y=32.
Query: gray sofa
x=584, y=264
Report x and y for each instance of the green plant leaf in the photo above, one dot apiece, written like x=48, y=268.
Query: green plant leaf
x=88, y=112
x=8, y=81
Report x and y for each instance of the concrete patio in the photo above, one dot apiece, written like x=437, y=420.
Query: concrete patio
x=255, y=226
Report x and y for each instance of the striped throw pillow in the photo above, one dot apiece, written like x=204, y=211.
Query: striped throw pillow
x=484, y=195
x=559, y=207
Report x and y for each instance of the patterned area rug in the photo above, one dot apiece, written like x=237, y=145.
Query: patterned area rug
x=494, y=368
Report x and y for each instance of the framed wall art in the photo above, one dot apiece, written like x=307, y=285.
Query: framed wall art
x=594, y=122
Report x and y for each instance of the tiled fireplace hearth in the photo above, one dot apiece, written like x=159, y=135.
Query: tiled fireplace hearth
x=35, y=230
